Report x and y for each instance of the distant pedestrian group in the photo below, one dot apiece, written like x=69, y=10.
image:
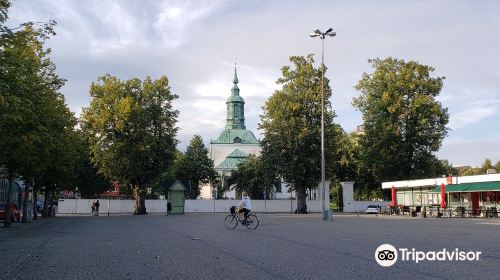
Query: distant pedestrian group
x=95, y=208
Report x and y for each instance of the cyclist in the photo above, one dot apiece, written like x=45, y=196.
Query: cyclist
x=245, y=204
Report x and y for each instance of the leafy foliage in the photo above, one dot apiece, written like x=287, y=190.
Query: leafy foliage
x=485, y=166
x=87, y=179
x=195, y=167
x=132, y=129
x=291, y=122
x=255, y=176
x=404, y=122
x=33, y=113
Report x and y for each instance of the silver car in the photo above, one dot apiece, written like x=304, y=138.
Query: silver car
x=373, y=209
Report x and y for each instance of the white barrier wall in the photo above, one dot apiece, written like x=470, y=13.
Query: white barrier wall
x=351, y=205
x=83, y=206
x=259, y=206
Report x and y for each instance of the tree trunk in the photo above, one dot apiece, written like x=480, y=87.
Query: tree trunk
x=27, y=189
x=35, y=199
x=140, y=200
x=45, y=211
x=52, y=211
x=301, y=200
x=7, y=222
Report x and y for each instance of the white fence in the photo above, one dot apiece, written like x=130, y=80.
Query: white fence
x=83, y=206
x=259, y=206
x=351, y=205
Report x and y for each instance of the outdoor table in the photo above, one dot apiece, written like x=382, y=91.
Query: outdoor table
x=446, y=212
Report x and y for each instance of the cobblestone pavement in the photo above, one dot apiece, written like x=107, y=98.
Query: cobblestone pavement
x=198, y=246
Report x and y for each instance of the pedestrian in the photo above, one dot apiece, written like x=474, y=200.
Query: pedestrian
x=93, y=208
x=169, y=208
x=97, y=204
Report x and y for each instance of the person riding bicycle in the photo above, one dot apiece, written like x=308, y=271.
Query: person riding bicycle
x=245, y=205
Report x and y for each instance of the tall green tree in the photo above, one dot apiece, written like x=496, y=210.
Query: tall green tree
x=403, y=120
x=196, y=168
x=255, y=176
x=291, y=122
x=132, y=128
x=30, y=104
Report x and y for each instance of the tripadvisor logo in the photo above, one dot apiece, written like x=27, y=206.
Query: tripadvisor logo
x=387, y=255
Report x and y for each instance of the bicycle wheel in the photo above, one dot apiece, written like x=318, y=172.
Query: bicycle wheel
x=252, y=221
x=231, y=221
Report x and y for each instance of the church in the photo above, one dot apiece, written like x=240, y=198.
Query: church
x=234, y=144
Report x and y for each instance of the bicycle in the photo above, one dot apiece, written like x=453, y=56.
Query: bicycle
x=232, y=220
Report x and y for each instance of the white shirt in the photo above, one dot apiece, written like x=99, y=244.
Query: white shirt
x=245, y=203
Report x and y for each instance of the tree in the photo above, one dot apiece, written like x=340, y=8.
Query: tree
x=403, y=120
x=88, y=180
x=255, y=176
x=481, y=170
x=291, y=122
x=30, y=104
x=195, y=167
x=132, y=128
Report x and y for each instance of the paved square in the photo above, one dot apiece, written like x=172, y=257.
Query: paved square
x=198, y=246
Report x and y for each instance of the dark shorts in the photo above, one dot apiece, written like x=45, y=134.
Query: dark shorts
x=244, y=210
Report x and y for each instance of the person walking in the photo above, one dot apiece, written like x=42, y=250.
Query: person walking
x=97, y=204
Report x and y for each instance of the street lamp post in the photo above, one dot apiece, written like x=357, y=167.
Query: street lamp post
x=327, y=216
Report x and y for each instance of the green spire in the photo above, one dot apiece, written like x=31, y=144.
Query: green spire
x=235, y=79
x=235, y=106
x=235, y=90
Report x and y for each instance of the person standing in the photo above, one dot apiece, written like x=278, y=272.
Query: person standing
x=97, y=204
x=93, y=208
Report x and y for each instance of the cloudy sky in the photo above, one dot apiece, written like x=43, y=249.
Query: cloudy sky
x=195, y=43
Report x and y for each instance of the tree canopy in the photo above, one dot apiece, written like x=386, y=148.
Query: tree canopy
x=291, y=122
x=33, y=113
x=132, y=128
x=404, y=123
x=195, y=167
x=255, y=176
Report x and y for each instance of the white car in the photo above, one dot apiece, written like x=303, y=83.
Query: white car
x=373, y=209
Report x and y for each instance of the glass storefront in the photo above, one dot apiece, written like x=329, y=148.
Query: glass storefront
x=424, y=197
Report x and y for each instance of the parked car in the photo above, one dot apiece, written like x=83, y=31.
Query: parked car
x=373, y=209
x=14, y=212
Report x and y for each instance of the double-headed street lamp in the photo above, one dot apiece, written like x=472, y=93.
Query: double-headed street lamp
x=325, y=196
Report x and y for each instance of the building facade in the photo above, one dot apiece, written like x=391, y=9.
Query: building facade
x=474, y=192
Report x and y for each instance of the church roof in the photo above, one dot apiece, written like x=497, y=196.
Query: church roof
x=231, y=136
x=232, y=160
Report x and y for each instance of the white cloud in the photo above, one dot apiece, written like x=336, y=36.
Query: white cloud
x=188, y=40
x=172, y=23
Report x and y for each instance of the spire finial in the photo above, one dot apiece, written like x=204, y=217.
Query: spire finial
x=235, y=80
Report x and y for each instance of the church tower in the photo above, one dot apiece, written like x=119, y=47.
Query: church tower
x=235, y=143
x=235, y=107
x=235, y=131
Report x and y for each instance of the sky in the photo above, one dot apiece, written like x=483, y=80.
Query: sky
x=196, y=43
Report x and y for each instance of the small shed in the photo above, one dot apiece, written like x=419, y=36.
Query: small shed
x=176, y=197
